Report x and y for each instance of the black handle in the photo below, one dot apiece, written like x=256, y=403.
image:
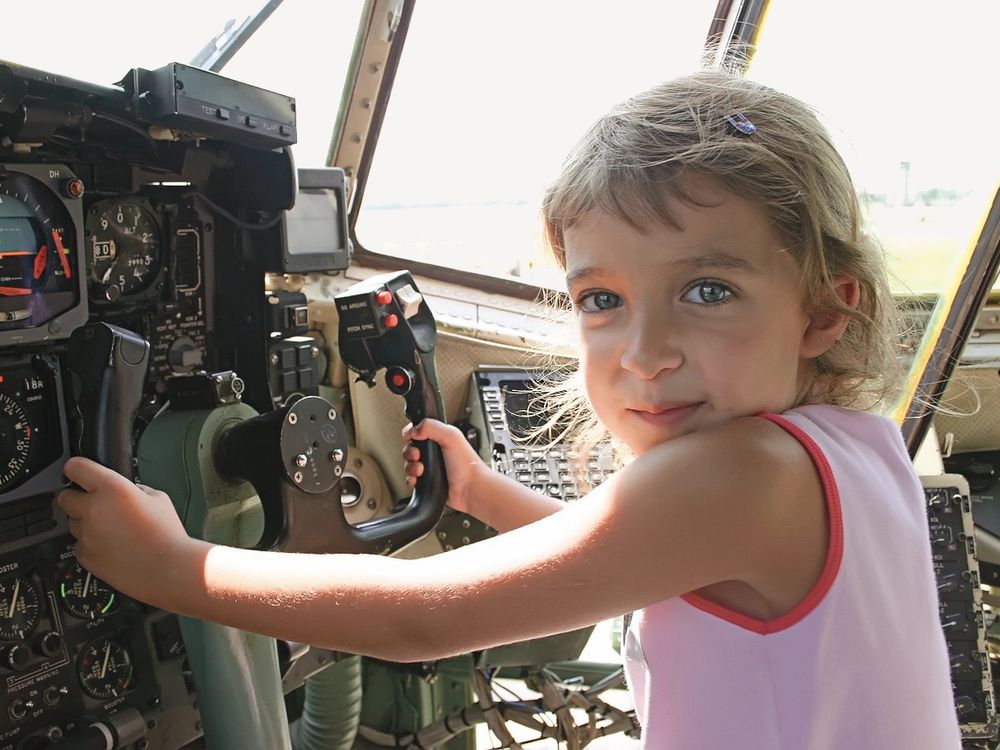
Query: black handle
x=386, y=323
x=111, y=364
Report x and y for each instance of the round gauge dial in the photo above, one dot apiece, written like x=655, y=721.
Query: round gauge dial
x=37, y=250
x=105, y=669
x=15, y=441
x=20, y=608
x=84, y=595
x=123, y=248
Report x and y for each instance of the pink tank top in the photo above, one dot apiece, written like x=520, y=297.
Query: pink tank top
x=859, y=664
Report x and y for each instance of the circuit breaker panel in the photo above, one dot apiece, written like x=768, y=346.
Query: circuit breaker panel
x=960, y=603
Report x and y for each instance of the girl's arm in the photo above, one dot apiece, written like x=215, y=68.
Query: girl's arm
x=726, y=504
x=504, y=504
x=473, y=487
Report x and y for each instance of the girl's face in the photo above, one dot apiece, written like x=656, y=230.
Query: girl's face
x=685, y=328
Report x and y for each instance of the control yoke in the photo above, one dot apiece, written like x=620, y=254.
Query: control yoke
x=110, y=363
x=294, y=456
x=386, y=323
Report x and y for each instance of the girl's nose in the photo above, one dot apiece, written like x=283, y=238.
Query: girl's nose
x=650, y=349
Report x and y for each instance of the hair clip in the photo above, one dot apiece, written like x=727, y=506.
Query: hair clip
x=741, y=124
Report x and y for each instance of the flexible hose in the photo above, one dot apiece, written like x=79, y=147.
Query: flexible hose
x=332, y=710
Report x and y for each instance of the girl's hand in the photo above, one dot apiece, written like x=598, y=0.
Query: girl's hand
x=461, y=462
x=126, y=533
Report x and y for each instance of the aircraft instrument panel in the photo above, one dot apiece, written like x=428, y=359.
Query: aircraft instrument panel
x=121, y=214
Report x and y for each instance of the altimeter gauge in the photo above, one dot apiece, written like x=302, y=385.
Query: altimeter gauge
x=123, y=249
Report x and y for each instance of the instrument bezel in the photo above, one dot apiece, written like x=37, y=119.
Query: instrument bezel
x=52, y=178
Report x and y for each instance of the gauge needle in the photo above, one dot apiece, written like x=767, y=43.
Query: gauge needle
x=107, y=655
x=41, y=261
x=57, y=238
x=13, y=599
x=86, y=583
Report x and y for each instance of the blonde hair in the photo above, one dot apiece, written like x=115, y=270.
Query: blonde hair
x=642, y=154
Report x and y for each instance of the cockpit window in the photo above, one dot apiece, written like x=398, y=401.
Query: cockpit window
x=487, y=102
x=907, y=97
x=478, y=122
x=100, y=42
x=301, y=50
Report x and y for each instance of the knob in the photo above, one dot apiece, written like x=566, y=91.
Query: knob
x=17, y=657
x=72, y=188
x=48, y=643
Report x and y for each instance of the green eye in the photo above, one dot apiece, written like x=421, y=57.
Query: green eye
x=707, y=293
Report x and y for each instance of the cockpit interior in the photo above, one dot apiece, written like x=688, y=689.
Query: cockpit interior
x=209, y=213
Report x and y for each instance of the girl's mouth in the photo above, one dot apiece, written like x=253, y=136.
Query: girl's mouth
x=665, y=417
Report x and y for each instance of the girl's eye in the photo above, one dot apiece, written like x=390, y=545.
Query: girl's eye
x=597, y=301
x=707, y=293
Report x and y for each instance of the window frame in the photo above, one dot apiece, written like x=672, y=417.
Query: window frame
x=734, y=21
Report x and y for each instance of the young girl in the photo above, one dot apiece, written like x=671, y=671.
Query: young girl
x=769, y=535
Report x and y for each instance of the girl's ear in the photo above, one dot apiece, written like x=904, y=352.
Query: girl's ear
x=827, y=326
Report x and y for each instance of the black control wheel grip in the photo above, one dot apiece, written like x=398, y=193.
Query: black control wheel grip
x=386, y=323
x=110, y=363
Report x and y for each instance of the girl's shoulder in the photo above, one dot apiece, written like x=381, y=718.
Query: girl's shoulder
x=751, y=462
x=793, y=444
x=769, y=441
x=747, y=485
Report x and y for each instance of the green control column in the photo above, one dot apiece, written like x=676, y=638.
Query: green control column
x=235, y=672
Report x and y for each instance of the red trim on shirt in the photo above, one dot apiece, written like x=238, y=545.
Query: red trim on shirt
x=834, y=555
